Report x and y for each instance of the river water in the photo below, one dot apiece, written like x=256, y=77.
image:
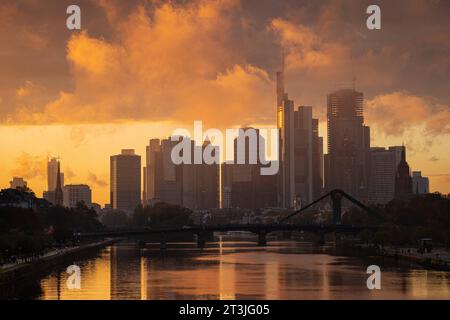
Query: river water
x=239, y=270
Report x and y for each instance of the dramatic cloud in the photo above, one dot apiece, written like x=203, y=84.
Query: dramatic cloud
x=30, y=166
x=397, y=112
x=159, y=69
x=214, y=60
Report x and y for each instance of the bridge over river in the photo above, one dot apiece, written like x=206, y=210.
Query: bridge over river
x=204, y=231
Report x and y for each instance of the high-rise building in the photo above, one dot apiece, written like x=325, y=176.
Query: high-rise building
x=52, y=174
x=17, y=182
x=168, y=176
x=383, y=167
x=194, y=186
x=348, y=143
x=403, y=181
x=300, y=178
x=125, y=177
x=200, y=181
x=77, y=193
x=317, y=161
x=303, y=156
x=285, y=124
x=243, y=185
x=420, y=185
x=55, y=181
x=149, y=170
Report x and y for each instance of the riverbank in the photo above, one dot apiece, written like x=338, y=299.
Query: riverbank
x=437, y=260
x=16, y=272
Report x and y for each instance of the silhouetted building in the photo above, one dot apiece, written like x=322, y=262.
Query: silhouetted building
x=169, y=176
x=149, y=170
x=192, y=185
x=59, y=196
x=300, y=178
x=348, y=143
x=125, y=177
x=317, y=161
x=52, y=174
x=303, y=171
x=383, y=167
x=403, y=181
x=17, y=182
x=421, y=185
x=243, y=185
x=76, y=193
x=200, y=182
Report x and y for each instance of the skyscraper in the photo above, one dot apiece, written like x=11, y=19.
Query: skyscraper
x=125, y=180
x=285, y=124
x=303, y=156
x=149, y=170
x=243, y=185
x=300, y=178
x=52, y=172
x=403, y=181
x=55, y=178
x=383, y=167
x=421, y=185
x=200, y=186
x=194, y=186
x=317, y=161
x=348, y=143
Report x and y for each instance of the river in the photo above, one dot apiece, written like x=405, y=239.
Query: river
x=237, y=270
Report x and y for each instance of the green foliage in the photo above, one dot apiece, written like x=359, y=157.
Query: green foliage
x=425, y=216
x=115, y=219
x=161, y=215
x=27, y=231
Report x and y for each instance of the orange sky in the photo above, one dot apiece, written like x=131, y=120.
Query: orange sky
x=140, y=69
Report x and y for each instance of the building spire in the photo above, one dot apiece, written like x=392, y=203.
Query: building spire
x=58, y=191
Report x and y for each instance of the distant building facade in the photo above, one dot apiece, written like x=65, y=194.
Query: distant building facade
x=125, y=180
x=17, y=182
x=243, y=186
x=348, y=143
x=52, y=174
x=420, y=185
x=55, y=183
x=403, y=181
x=383, y=168
x=77, y=193
x=301, y=173
x=194, y=186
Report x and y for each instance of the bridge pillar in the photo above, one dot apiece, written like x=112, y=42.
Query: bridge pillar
x=262, y=241
x=162, y=243
x=319, y=238
x=336, y=197
x=339, y=242
x=201, y=240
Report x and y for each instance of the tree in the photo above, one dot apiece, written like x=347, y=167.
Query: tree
x=162, y=215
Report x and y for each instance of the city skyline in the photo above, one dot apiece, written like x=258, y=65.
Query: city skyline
x=75, y=112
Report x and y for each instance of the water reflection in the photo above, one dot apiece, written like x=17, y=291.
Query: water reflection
x=235, y=271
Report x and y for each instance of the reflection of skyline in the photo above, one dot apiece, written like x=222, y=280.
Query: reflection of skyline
x=126, y=272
